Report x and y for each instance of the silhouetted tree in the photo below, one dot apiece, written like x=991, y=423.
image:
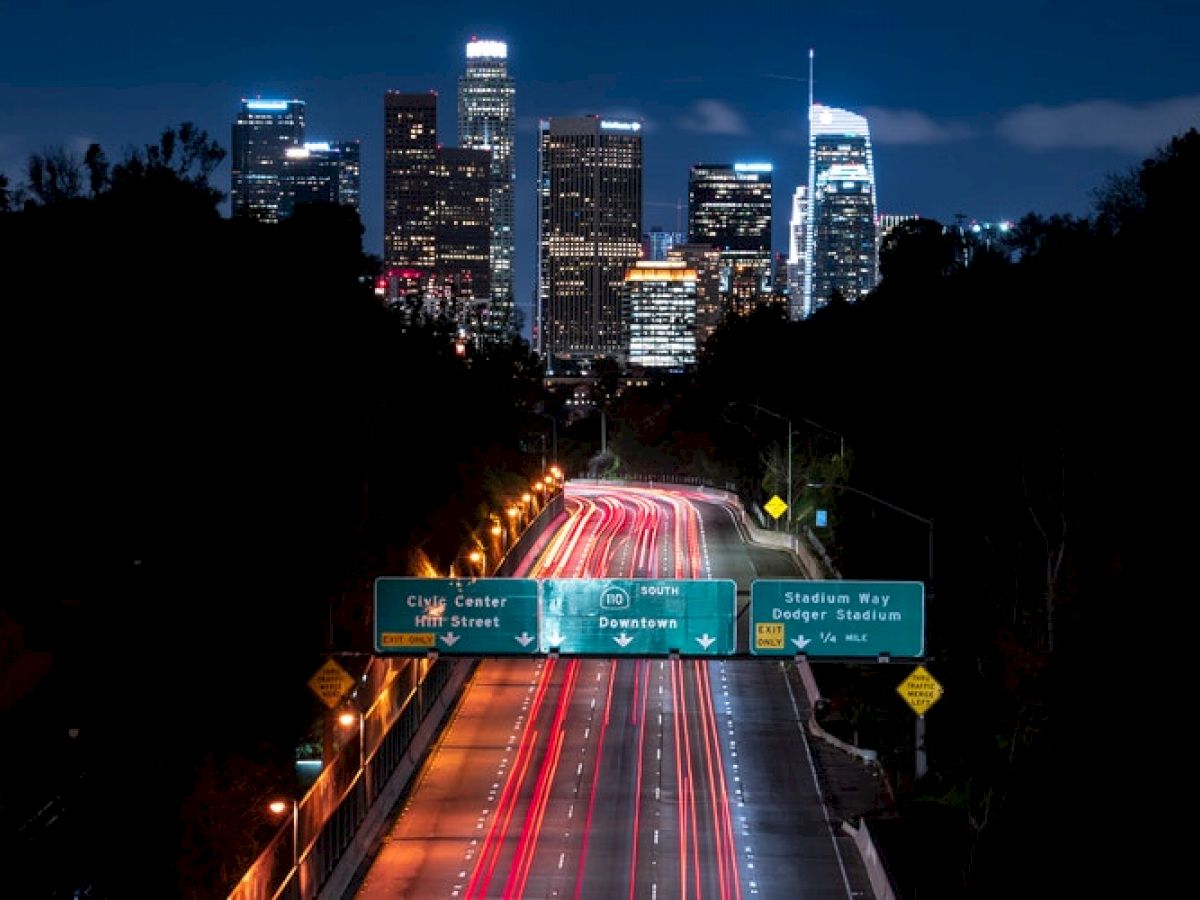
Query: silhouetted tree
x=54, y=175
x=96, y=164
x=4, y=193
x=917, y=251
x=183, y=154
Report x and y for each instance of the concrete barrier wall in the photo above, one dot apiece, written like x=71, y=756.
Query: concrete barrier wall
x=881, y=886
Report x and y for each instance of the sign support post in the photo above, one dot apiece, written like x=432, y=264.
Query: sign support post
x=920, y=691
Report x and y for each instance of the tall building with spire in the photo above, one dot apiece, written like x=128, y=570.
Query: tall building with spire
x=840, y=243
x=589, y=234
x=487, y=121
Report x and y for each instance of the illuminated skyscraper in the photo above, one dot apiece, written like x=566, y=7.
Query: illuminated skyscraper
x=729, y=206
x=319, y=171
x=262, y=133
x=797, y=247
x=437, y=216
x=589, y=234
x=705, y=260
x=662, y=314
x=487, y=121
x=840, y=255
x=462, y=273
x=409, y=179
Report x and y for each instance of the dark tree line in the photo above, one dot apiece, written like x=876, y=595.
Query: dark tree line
x=1032, y=404
x=216, y=437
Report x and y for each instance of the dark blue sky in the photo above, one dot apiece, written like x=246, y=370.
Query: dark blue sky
x=987, y=109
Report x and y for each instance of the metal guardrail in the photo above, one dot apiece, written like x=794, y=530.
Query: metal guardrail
x=299, y=860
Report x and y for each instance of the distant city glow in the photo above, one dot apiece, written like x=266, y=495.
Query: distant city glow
x=496, y=49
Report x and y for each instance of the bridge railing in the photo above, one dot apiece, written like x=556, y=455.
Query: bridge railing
x=309, y=845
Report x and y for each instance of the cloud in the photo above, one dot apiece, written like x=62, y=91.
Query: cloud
x=713, y=117
x=1103, y=124
x=910, y=126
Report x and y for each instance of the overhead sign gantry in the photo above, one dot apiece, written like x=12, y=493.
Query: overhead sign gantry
x=647, y=617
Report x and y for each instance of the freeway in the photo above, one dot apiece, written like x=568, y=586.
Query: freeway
x=599, y=778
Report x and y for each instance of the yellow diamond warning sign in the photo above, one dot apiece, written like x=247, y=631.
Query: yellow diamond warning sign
x=920, y=690
x=775, y=506
x=331, y=683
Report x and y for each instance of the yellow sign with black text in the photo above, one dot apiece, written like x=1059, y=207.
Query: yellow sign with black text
x=408, y=639
x=331, y=683
x=920, y=690
x=769, y=635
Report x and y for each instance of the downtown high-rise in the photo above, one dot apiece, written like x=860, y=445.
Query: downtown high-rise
x=409, y=179
x=263, y=132
x=661, y=296
x=589, y=235
x=840, y=255
x=487, y=121
x=729, y=207
x=436, y=216
x=274, y=169
x=320, y=172
x=797, y=248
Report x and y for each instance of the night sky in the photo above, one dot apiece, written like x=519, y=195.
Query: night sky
x=991, y=110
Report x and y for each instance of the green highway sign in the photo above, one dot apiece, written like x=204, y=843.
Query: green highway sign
x=469, y=616
x=639, y=616
x=837, y=618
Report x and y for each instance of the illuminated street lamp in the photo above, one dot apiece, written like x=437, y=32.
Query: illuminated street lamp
x=497, y=531
x=479, y=557
x=347, y=719
x=278, y=808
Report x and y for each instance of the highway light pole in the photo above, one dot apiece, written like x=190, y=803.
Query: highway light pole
x=788, y=422
x=922, y=763
x=892, y=506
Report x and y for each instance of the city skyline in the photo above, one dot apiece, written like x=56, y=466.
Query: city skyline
x=971, y=112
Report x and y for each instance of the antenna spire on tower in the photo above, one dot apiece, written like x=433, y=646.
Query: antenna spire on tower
x=810, y=82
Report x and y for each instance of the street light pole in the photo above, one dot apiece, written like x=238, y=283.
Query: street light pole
x=921, y=760
x=891, y=506
x=788, y=422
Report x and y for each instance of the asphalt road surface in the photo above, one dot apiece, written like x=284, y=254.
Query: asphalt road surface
x=638, y=778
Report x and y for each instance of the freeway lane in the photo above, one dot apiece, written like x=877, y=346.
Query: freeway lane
x=622, y=777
